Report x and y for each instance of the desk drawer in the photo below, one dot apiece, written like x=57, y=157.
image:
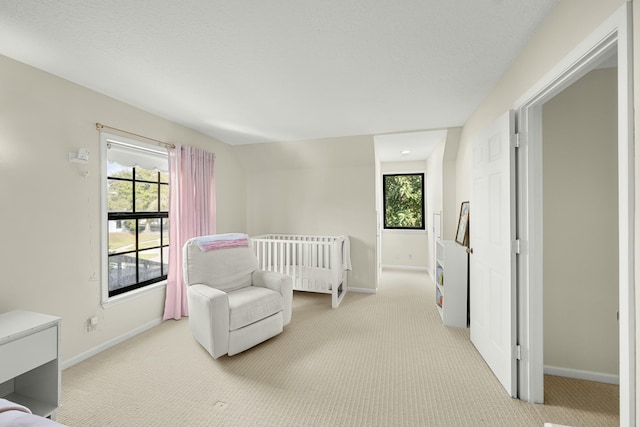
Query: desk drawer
x=27, y=353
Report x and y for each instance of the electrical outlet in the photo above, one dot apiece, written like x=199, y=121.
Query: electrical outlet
x=92, y=323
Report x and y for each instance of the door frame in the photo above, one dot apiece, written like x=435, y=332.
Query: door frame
x=615, y=34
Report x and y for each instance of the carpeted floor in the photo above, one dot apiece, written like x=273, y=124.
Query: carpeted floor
x=380, y=359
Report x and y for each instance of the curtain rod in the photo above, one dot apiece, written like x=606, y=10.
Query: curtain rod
x=100, y=126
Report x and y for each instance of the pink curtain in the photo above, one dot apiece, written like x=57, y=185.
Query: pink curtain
x=192, y=212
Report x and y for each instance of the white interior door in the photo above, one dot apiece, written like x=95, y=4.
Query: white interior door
x=492, y=262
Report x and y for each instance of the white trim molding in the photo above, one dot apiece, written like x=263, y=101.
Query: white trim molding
x=405, y=267
x=363, y=290
x=110, y=343
x=582, y=375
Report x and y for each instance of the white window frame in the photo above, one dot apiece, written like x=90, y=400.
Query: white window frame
x=106, y=300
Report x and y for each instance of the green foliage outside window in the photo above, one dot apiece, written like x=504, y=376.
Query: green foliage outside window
x=404, y=201
x=138, y=227
x=121, y=196
x=146, y=194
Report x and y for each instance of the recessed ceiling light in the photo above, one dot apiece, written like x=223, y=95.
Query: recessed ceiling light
x=405, y=152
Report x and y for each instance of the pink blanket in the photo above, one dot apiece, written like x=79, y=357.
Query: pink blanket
x=222, y=241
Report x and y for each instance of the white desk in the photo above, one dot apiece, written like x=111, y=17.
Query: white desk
x=29, y=360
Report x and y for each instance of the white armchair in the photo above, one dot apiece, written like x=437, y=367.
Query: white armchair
x=233, y=306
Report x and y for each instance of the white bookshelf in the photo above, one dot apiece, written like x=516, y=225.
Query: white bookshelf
x=451, y=282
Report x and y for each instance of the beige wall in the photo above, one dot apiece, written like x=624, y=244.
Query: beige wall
x=451, y=208
x=570, y=23
x=410, y=248
x=324, y=187
x=580, y=198
x=51, y=215
x=434, y=189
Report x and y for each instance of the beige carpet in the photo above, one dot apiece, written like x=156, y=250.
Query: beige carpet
x=380, y=359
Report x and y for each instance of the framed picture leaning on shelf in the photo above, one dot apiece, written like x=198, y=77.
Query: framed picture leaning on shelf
x=462, y=235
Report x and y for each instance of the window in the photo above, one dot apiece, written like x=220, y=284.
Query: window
x=137, y=215
x=404, y=201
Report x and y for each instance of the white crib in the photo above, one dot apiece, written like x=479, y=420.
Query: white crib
x=315, y=263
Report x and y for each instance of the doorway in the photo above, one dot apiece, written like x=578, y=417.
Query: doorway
x=412, y=152
x=580, y=228
x=611, y=38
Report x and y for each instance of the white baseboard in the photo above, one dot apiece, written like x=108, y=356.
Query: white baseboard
x=362, y=290
x=582, y=375
x=404, y=267
x=108, y=344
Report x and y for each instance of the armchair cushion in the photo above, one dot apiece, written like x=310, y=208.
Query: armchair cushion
x=250, y=304
x=280, y=283
x=224, y=269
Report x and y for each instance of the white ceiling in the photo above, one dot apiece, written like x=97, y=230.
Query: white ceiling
x=247, y=71
x=412, y=146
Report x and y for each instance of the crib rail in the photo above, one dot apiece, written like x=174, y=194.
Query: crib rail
x=314, y=262
x=279, y=252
